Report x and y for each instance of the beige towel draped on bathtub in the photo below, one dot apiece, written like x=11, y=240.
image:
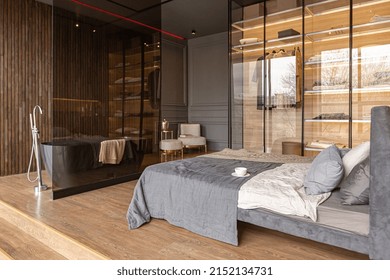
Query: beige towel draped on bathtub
x=111, y=151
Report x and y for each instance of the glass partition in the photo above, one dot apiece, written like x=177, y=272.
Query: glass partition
x=266, y=76
x=105, y=97
x=338, y=52
x=371, y=66
x=283, y=107
x=327, y=75
x=247, y=39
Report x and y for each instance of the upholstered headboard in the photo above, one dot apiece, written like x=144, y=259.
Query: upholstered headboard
x=379, y=236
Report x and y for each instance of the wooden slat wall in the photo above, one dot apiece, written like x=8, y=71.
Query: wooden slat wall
x=25, y=79
x=80, y=75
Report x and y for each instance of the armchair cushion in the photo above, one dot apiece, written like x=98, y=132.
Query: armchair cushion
x=190, y=135
x=193, y=140
x=190, y=129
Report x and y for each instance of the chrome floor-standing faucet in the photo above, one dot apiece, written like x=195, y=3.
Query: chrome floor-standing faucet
x=35, y=151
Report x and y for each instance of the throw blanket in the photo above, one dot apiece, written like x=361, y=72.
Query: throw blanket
x=111, y=151
x=198, y=194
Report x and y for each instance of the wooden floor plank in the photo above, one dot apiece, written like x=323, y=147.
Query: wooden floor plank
x=59, y=242
x=97, y=219
x=21, y=246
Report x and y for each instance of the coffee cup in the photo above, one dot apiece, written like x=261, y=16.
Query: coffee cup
x=240, y=171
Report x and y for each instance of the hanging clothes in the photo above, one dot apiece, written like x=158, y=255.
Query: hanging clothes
x=259, y=78
x=298, y=71
x=154, y=88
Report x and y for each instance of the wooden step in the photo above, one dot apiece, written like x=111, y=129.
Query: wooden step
x=18, y=245
x=4, y=255
x=59, y=243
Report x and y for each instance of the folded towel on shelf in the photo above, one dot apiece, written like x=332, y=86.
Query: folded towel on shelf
x=111, y=151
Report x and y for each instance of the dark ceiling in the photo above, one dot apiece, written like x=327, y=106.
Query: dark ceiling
x=179, y=17
x=205, y=16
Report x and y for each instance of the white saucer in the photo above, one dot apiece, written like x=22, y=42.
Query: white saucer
x=235, y=175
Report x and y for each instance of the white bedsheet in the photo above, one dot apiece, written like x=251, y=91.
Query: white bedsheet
x=281, y=190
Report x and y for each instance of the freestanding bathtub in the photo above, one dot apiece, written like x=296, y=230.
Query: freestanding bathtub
x=74, y=167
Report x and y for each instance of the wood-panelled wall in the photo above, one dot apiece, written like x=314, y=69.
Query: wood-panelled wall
x=80, y=75
x=25, y=79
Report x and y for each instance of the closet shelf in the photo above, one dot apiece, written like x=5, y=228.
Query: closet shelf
x=130, y=98
x=319, y=145
x=76, y=100
x=282, y=17
x=128, y=84
x=270, y=44
x=340, y=33
x=337, y=121
x=129, y=117
x=135, y=66
x=346, y=91
x=313, y=37
x=295, y=14
x=343, y=62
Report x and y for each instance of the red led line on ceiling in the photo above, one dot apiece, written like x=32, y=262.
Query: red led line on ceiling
x=128, y=19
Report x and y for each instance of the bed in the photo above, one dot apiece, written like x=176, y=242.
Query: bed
x=201, y=195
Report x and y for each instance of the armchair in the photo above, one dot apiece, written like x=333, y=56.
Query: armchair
x=190, y=136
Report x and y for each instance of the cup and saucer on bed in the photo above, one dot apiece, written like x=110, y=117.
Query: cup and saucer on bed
x=240, y=172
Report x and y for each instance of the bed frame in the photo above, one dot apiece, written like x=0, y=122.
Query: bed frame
x=377, y=243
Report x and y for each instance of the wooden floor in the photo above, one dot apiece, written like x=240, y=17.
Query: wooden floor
x=97, y=220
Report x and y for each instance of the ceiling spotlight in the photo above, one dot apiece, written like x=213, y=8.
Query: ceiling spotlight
x=77, y=25
x=94, y=30
x=193, y=32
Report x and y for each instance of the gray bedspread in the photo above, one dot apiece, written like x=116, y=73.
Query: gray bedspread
x=198, y=194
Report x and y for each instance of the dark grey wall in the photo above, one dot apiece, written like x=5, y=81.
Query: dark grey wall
x=208, y=87
x=174, y=84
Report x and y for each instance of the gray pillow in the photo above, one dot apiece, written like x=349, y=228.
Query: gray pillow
x=325, y=173
x=354, y=188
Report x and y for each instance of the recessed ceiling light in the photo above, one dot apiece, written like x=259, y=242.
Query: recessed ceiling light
x=77, y=25
x=94, y=30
